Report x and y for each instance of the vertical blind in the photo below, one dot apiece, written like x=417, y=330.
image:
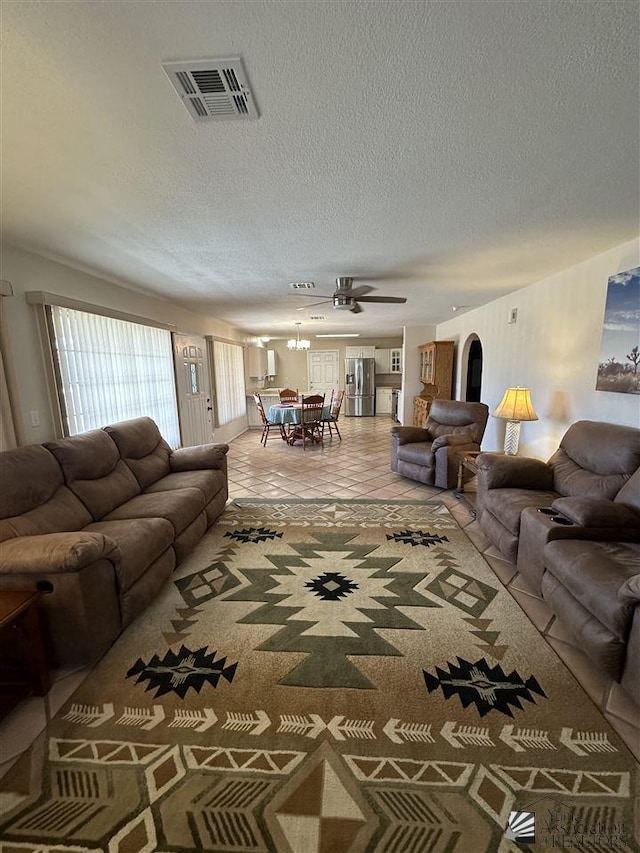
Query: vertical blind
x=228, y=368
x=112, y=370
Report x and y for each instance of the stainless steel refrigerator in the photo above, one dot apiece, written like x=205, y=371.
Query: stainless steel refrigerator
x=360, y=387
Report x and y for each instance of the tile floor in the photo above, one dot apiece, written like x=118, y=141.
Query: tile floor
x=356, y=467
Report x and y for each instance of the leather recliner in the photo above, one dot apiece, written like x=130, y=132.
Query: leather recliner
x=430, y=454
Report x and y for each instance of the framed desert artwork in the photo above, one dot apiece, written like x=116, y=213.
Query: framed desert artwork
x=619, y=368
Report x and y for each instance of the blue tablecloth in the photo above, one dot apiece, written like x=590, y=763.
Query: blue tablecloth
x=290, y=414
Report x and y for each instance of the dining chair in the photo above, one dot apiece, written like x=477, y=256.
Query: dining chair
x=334, y=412
x=266, y=423
x=288, y=396
x=309, y=429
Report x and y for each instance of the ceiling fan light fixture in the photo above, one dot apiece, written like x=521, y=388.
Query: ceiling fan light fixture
x=342, y=301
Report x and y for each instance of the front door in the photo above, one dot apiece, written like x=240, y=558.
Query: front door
x=194, y=389
x=322, y=366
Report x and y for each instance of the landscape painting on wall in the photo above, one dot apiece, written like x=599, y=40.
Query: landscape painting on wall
x=619, y=368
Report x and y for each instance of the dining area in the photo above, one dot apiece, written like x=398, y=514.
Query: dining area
x=300, y=419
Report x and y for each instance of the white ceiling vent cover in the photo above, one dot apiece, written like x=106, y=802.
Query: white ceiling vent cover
x=213, y=89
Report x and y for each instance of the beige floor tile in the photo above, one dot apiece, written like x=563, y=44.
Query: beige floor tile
x=62, y=689
x=622, y=705
x=21, y=727
x=504, y=571
x=522, y=585
x=629, y=734
x=594, y=682
x=537, y=610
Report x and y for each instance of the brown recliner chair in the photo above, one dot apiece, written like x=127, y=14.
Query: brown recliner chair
x=430, y=454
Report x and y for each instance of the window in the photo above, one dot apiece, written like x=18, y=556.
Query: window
x=111, y=370
x=228, y=369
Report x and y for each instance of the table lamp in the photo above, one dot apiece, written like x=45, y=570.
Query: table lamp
x=514, y=407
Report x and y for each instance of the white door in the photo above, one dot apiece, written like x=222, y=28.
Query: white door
x=194, y=389
x=322, y=366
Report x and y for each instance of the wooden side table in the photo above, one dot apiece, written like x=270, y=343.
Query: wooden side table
x=466, y=460
x=19, y=611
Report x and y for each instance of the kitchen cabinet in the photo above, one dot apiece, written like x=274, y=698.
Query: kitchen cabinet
x=395, y=360
x=382, y=360
x=436, y=375
x=359, y=352
x=256, y=362
x=272, y=363
x=383, y=401
x=388, y=360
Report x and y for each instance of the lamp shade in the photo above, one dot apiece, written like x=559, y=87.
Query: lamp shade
x=516, y=405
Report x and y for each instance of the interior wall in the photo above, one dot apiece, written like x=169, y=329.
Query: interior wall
x=292, y=365
x=414, y=337
x=553, y=349
x=28, y=272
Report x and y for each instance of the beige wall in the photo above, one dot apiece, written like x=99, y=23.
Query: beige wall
x=28, y=272
x=553, y=348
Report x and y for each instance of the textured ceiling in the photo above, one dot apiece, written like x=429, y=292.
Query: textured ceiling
x=452, y=151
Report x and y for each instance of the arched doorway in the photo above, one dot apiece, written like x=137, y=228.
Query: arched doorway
x=474, y=371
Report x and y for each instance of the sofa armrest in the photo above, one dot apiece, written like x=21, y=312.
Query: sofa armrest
x=56, y=553
x=499, y=471
x=456, y=440
x=408, y=435
x=597, y=512
x=199, y=457
x=630, y=590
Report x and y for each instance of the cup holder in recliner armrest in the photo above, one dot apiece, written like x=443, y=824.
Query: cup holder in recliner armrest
x=554, y=515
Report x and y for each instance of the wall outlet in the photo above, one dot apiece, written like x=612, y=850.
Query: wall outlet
x=513, y=316
x=35, y=418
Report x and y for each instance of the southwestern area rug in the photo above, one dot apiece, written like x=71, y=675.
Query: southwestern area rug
x=327, y=677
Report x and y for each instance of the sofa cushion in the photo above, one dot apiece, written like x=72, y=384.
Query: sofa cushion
x=419, y=453
x=33, y=498
x=594, y=573
x=156, y=533
x=142, y=448
x=179, y=506
x=94, y=472
x=508, y=504
x=629, y=494
x=209, y=482
x=595, y=459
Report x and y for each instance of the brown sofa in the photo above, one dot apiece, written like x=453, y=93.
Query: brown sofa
x=593, y=589
x=429, y=454
x=99, y=521
x=589, y=488
x=572, y=526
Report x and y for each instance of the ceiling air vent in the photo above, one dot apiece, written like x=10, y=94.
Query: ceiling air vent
x=302, y=285
x=213, y=89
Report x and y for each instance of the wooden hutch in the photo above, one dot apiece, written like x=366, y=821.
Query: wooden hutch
x=436, y=375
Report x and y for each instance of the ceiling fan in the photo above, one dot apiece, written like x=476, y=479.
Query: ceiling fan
x=348, y=298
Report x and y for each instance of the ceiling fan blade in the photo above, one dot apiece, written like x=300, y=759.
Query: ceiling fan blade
x=305, y=307
x=395, y=299
x=314, y=295
x=355, y=308
x=357, y=292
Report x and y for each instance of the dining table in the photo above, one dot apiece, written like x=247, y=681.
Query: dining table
x=291, y=414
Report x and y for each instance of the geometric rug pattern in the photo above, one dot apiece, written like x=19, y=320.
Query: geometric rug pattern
x=324, y=677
